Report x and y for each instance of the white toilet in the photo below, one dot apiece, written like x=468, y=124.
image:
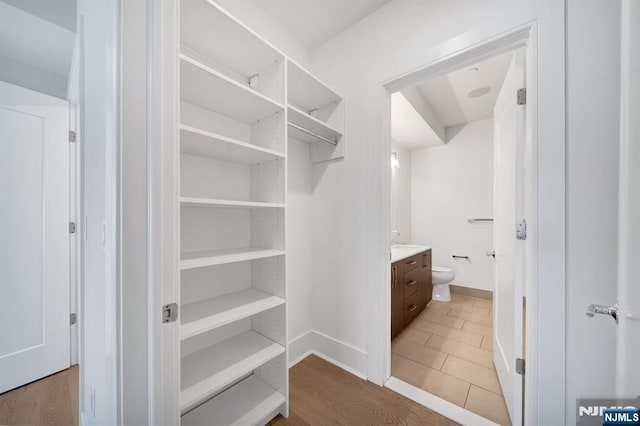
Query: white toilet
x=441, y=277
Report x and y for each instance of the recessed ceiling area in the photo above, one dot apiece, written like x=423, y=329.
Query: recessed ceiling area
x=447, y=102
x=314, y=22
x=36, y=44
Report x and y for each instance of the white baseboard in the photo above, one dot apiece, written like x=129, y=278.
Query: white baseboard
x=300, y=348
x=439, y=405
x=341, y=354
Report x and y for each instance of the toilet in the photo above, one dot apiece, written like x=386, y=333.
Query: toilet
x=441, y=277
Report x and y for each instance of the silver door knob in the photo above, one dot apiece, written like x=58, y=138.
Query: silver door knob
x=612, y=310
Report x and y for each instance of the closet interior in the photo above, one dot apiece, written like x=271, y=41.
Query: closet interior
x=241, y=99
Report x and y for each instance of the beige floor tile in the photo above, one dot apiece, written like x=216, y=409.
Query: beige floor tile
x=483, y=303
x=433, y=381
x=472, y=339
x=441, y=317
x=462, y=307
x=472, y=373
x=487, y=343
x=414, y=335
x=472, y=327
x=470, y=316
x=461, y=299
x=419, y=353
x=461, y=350
x=487, y=404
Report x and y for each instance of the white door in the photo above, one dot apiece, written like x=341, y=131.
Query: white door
x=509, y=131
x=628, y=347
x=34, y=236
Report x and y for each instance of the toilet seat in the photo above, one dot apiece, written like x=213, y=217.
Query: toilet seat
x=441, y=269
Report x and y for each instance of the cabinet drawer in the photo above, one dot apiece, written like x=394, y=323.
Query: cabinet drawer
x=410, y=263
x=411, y=282
x=413, y=305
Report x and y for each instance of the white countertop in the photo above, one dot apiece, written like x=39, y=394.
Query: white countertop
x=402, y=251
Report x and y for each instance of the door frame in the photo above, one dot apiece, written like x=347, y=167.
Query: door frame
x=455, y=53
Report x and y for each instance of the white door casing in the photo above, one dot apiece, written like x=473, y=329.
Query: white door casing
x=34, y=236
x=628, y=330
x=509, y=138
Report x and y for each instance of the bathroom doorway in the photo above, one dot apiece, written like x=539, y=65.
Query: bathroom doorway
x=458, y=194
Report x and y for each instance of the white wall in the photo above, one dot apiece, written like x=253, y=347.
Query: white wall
x=299, y=240
x=593, y=31
x=401, y=195
x=253, y=16
x=452, y=183
x=97, y=139
x=352, y=197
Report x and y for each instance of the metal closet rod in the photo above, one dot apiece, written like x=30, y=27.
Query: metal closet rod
x=314, y=134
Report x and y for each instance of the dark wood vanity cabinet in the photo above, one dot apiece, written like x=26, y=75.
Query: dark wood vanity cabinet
x=410, y=289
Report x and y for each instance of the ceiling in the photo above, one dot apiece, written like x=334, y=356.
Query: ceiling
x=32, y=42
x=441, y=103
x=314, y=22
x=447, y=94
x=59, y=12
x=408, y=128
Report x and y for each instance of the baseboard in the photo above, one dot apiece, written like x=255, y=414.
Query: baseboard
x=300, y=347
x=474, y=292
x=437, y=404
x=341, y=354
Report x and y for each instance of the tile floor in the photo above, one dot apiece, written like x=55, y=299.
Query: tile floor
x=448, y=351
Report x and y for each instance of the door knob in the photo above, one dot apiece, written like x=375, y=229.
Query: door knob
x=612, y=310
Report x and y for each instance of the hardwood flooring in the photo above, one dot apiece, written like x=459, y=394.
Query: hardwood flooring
x=322, y=394
x=448, y=351
x=49, y=401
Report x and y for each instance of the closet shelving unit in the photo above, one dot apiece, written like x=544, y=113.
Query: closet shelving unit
x=240, y=101
x=233, y=333
x=315, y=114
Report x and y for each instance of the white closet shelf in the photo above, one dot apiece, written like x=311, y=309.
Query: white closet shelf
x=220, y=257
x=241, y=50
x=313, y=126
x=208, y=371
x=232, y=204
x=249, y=402
x=203, y=86
x=307, y=91
x=202, y=316
x=211, y=145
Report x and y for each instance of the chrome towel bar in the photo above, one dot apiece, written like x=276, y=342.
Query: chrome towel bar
x=473, y=220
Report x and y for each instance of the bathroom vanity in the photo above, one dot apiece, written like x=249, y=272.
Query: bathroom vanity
x=410, y=284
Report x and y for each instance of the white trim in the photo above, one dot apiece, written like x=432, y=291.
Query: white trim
x=439, y=405
x=481, y=44
x=300, y=347
x=337, y=352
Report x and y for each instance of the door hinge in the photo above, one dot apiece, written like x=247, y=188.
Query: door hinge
x=72, y=227
x=73, y=318
x=170, y=312
x=521, y=230
x=520, y=366
x=522, y=96
x=72, y=136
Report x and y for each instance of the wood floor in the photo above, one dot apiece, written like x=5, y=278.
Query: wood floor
x=49, y=401
x=322, y=394
x=448, y=351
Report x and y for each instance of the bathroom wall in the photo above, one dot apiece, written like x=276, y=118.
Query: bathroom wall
x=401, y=195
x=450, y=184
